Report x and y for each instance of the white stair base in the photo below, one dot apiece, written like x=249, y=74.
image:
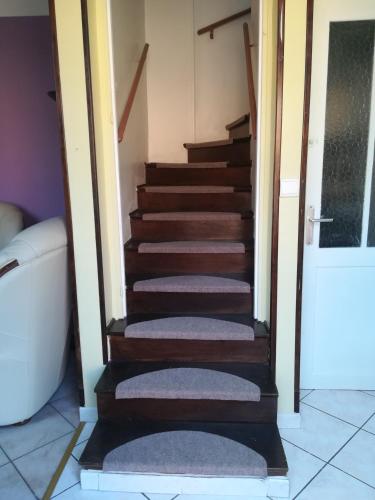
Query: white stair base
x=231, y=487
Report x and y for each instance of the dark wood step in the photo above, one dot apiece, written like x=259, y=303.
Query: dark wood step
x=262, y=438
x=182, y=175
x=236, y=265
x=132, y=349
x=237, y=201
x=200, y=408
x=240, y=127
x=169, y=230
x=188, y=303
x=231, y=150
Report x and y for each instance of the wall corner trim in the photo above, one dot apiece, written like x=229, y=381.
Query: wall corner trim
x=289, y=420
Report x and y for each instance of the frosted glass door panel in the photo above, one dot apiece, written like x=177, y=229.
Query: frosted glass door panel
x=348, y=104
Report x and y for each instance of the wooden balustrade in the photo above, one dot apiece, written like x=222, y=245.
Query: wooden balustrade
x=132, y=93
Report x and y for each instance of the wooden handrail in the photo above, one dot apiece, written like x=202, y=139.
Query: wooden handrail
x=211, y=27
x=250, y=81
x=132, y=93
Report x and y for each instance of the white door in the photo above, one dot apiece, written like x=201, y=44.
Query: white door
x=338, y=301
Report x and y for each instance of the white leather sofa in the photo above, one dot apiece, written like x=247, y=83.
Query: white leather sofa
x=11, y=223
x=34, y=319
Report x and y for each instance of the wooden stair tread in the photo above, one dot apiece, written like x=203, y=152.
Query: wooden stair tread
x=210, y=247
x=190, y=215
x=192, y=284
x=263, y=439
x=212, y=164
x=117, y=327
x=214, y=144
x=259, y=374
x=181, y=189
x=190, y=246
x=240, y=121
x=190, y=328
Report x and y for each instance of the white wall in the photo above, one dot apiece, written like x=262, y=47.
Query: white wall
x=13, y=8
x=195, y=85
x=128, y=36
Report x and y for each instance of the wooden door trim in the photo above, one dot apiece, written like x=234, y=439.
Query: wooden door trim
x=302, y=197
x=276, y=178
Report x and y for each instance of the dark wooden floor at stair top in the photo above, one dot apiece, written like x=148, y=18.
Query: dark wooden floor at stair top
x=262, y=438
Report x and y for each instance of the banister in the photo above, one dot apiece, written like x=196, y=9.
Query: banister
x=132, y=93
x=211, y=27
x=250, y=81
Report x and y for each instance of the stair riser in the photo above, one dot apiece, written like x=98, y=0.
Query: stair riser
x=240, y=131
x=111, y=409
x=188, y=303
x=191, y=230
x=211, y=202
x=230, y=176
x=122, y=349
x=237, y=153
x=185, y=263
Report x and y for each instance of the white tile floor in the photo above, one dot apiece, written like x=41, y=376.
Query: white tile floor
x=331, y=457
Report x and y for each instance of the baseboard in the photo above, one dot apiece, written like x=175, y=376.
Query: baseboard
x=248, y=488
x=88, y=413
x=289, y=420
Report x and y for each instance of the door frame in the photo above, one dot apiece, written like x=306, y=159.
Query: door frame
x=302, y=198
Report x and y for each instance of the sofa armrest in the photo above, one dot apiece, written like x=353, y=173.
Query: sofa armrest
x=8, y=266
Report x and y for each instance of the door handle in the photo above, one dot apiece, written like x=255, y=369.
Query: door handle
x=320, y=220
x=311, y=220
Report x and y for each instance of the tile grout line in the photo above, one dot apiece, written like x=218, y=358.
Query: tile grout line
x=63, y=416
x=331, y=465
x=18, y=472
x=305, y=396
x=351, y=475
x=312, y=479
x=333, y=416
x=45, y=444
x=343, y=446
x=303, y=449
x=66, y=489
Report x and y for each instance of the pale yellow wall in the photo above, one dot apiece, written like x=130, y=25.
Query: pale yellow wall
x=170, y=84
x=294, y=75
x=72, y=74
x=106, y=143
x=128, y=37
x=195, y=85
x=266, y=157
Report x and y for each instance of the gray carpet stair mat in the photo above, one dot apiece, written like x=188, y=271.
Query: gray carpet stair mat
x=218, y=164
x=192, y=216
x=189, y=189
x=186, y=452
x=213, y=247
x=190, y=328
x=192, y=284
x=188, y=383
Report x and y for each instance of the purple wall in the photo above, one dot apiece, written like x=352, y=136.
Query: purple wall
x=30, y=163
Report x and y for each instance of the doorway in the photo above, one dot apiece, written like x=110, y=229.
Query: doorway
x=338, y=341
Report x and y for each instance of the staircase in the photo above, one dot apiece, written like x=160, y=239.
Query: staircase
x=188, y=393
